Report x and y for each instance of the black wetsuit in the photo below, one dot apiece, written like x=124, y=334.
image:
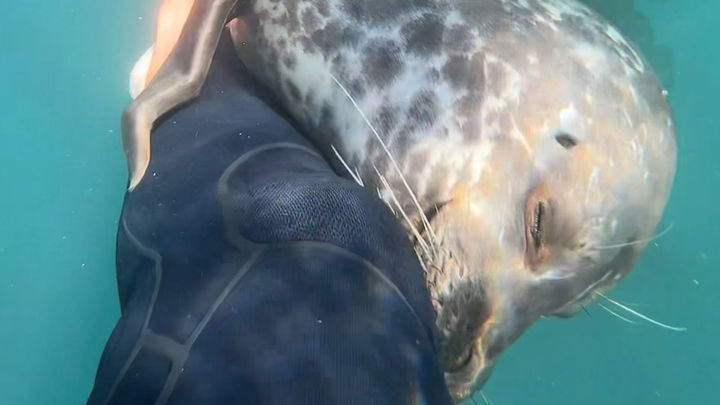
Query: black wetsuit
x=249, y=272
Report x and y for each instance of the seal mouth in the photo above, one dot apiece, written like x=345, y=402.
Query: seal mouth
x=470, y=374
x=463, y=318
x=463, y=361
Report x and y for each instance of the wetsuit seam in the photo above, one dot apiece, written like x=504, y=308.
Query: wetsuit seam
x=157, y=260
x=177, y=367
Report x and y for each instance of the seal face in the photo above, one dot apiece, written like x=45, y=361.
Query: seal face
x=529, y=147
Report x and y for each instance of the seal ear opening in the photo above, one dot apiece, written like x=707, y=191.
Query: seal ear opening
x=566, y=140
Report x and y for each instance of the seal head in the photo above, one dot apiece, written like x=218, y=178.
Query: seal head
x=534, y=144
x=581, y=163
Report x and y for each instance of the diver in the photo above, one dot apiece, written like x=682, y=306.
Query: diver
x=249, y=272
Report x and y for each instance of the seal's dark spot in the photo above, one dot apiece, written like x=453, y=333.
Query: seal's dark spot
x=263, y=15
x=310, y=98
x=472, y=128
x=455, y=71
x=273, y=57
x=402, y=140
x=424, y=35
x=382, y=62
x=289, y=60
x=566, y=140
x=307, y=44
x=353, y=84
x=468, y=105
x=433, y=75
x=468, y=76
x=423, y=110
x=356, y=88
x=282, y=20
x=386, y=119
x=465, y=73
x=292, y=13
x=339, y=67
x=323, y=7
x=350, y=37
x=326, y=125
x=326, y=114
x=294, y=91
x=328, y=37
x=310, y=19
x=382, y=11
x=581, y=28
x=458, y=38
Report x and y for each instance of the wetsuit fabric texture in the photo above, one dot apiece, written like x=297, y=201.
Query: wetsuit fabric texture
x=249, y=272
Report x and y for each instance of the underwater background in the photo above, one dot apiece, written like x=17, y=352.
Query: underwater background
x=63, y=84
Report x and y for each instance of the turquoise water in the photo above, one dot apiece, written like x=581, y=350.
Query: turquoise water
x=63, y=81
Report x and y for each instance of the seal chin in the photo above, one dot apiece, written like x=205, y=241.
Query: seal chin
x=471, y=376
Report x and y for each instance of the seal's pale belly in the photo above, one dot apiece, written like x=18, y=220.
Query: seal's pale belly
x=544, y=136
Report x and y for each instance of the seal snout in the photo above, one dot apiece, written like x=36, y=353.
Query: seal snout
x=461, y=318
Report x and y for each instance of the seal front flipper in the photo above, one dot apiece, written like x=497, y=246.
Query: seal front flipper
x=178, y=80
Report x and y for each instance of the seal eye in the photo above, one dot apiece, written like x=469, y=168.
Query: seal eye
x=538, y=230
x=538, y=224
x=430, y=214
x=566, y=140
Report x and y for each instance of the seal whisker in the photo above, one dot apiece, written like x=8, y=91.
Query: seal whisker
x=636, y=242
x=485, y=398
x=413, y=228
x=554, y=276
x=641, y=316
x=421, y=212
x=586, y=310
x=588, y=290
x=615, y=314
x=379, y=194
x=354, y=175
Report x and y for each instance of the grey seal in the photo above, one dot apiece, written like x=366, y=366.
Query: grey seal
x=529, y=148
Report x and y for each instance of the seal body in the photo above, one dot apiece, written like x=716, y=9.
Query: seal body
x=528, y=146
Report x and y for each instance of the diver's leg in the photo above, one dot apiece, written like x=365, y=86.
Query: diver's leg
x=178, y=80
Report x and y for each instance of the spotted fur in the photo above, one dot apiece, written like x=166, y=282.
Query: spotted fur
x=423, y=71
x=493, y=106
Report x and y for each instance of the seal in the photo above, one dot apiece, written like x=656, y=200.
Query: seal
x=528, y=147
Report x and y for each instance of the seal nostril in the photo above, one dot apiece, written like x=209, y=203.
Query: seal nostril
x=566, y=140
x=463, y=360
